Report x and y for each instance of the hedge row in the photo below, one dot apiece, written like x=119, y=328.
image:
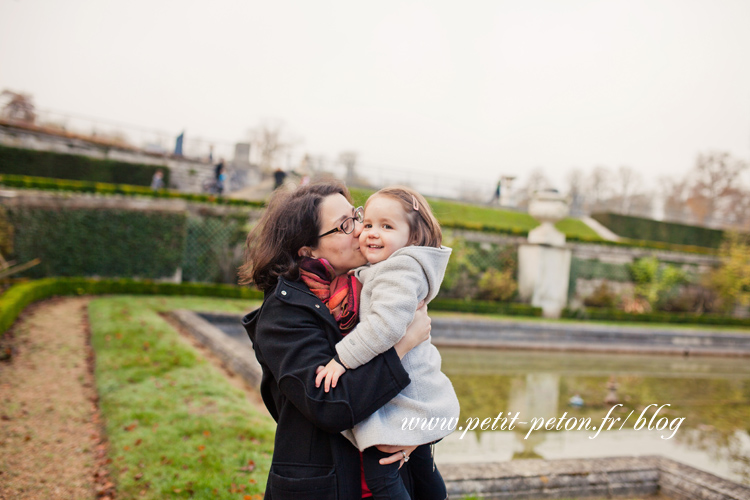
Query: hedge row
x=485, y=307
x=66, y=166
x=654, y=230
x=623, y=242
x=48, y=184
x=99, y=242
x=21, y=295
x=654, y=317
x=28, y=182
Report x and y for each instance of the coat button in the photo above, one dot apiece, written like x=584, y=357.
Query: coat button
x=317, y=305
x=283, y=292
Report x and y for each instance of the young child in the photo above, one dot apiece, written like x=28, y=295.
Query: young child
x=401, y=240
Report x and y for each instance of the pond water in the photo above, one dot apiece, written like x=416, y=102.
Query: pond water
x=711, y=394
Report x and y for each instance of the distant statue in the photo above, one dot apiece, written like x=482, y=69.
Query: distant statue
x=178, y=144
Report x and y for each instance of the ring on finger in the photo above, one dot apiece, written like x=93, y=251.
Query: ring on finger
x=406, y=457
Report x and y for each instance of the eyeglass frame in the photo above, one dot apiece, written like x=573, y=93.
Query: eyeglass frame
x=359, y=216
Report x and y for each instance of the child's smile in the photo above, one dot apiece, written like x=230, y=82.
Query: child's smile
x=385, y=229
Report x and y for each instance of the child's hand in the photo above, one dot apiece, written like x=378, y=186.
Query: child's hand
x=331, y=372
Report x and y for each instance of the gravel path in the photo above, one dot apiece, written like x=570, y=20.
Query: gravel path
x=50, y=444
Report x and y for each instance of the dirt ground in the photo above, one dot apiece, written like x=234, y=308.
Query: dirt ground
x=50, y=441
x=52, y=445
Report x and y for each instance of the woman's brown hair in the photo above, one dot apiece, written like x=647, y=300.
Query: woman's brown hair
x=423, y=226
x=290, y=222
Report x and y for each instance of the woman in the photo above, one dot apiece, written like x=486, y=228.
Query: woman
x=294, y=333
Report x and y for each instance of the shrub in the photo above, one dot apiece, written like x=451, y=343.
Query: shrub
x=655, y=282
x=668, y=232
x=23, y=294
x=49, y=184
x=731, y=281
x=654, y=317
x=99, y=242
x=601, y=297
x=477, y=271
x=485, y=307
x=213, y=249
x=693, y=298
x=65, y=166
x=497, y=285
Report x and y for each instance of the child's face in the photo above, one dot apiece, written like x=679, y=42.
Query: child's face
x=385, y=229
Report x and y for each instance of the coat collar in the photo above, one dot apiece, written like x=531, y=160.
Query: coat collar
x=296, y=292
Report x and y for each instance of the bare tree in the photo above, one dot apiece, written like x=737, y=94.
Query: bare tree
x=575, y=191
x=18, y=107
x=713, y=182
x=536, y=181
x=598, y=188
x=349, y=160
x=272, y=143
x=628, y=183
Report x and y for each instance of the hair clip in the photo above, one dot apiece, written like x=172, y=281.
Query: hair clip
x=415, y=203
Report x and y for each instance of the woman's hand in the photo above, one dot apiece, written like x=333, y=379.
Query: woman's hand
x=416, y=333
x=399, y=453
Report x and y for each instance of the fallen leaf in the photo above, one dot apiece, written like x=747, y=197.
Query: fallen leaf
x=201, y=448
x=249, y=467
x=138, y=441
x=206, y=433
x=130, y=427
x=138, y=476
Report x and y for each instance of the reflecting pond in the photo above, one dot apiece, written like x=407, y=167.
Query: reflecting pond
x=711, y=394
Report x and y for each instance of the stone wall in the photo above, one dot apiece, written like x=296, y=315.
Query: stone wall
x=604, y=253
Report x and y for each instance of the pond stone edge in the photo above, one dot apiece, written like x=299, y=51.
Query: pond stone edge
x=531, y=479
x=581, y=478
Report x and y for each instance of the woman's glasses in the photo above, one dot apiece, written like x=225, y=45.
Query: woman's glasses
x=347, y=226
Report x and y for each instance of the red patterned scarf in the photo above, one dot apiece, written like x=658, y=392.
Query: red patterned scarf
x=339, y=293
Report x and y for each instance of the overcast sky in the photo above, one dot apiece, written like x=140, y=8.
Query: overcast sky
x=474, y=88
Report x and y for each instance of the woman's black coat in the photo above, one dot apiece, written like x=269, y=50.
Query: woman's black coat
x=293, y=333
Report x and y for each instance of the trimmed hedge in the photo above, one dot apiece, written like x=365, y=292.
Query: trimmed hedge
x=48, y=184
x=28, y=182
x=485, y=307
x=655, y=317
x=66, y=166
x=99, y=242
x=654, y=230
x=21, y=295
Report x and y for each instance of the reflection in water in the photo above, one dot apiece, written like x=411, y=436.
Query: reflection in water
x=712, y=394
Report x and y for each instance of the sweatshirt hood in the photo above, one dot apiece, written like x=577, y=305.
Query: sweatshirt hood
x=432, y=260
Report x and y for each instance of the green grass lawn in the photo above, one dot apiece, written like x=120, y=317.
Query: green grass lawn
x=176, y=426
x=450, y=213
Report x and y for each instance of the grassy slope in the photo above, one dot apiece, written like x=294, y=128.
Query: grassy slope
x=177, y=428
x=450, y=212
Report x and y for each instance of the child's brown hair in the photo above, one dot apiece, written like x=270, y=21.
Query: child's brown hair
x=423, y=226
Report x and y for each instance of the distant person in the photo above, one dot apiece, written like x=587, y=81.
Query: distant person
x=278, y=177
x=496, y=195
x=218, y=169
x=221, y=181
x=157, y=181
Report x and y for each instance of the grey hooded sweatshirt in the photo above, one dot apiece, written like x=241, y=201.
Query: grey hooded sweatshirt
x=391, y=291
